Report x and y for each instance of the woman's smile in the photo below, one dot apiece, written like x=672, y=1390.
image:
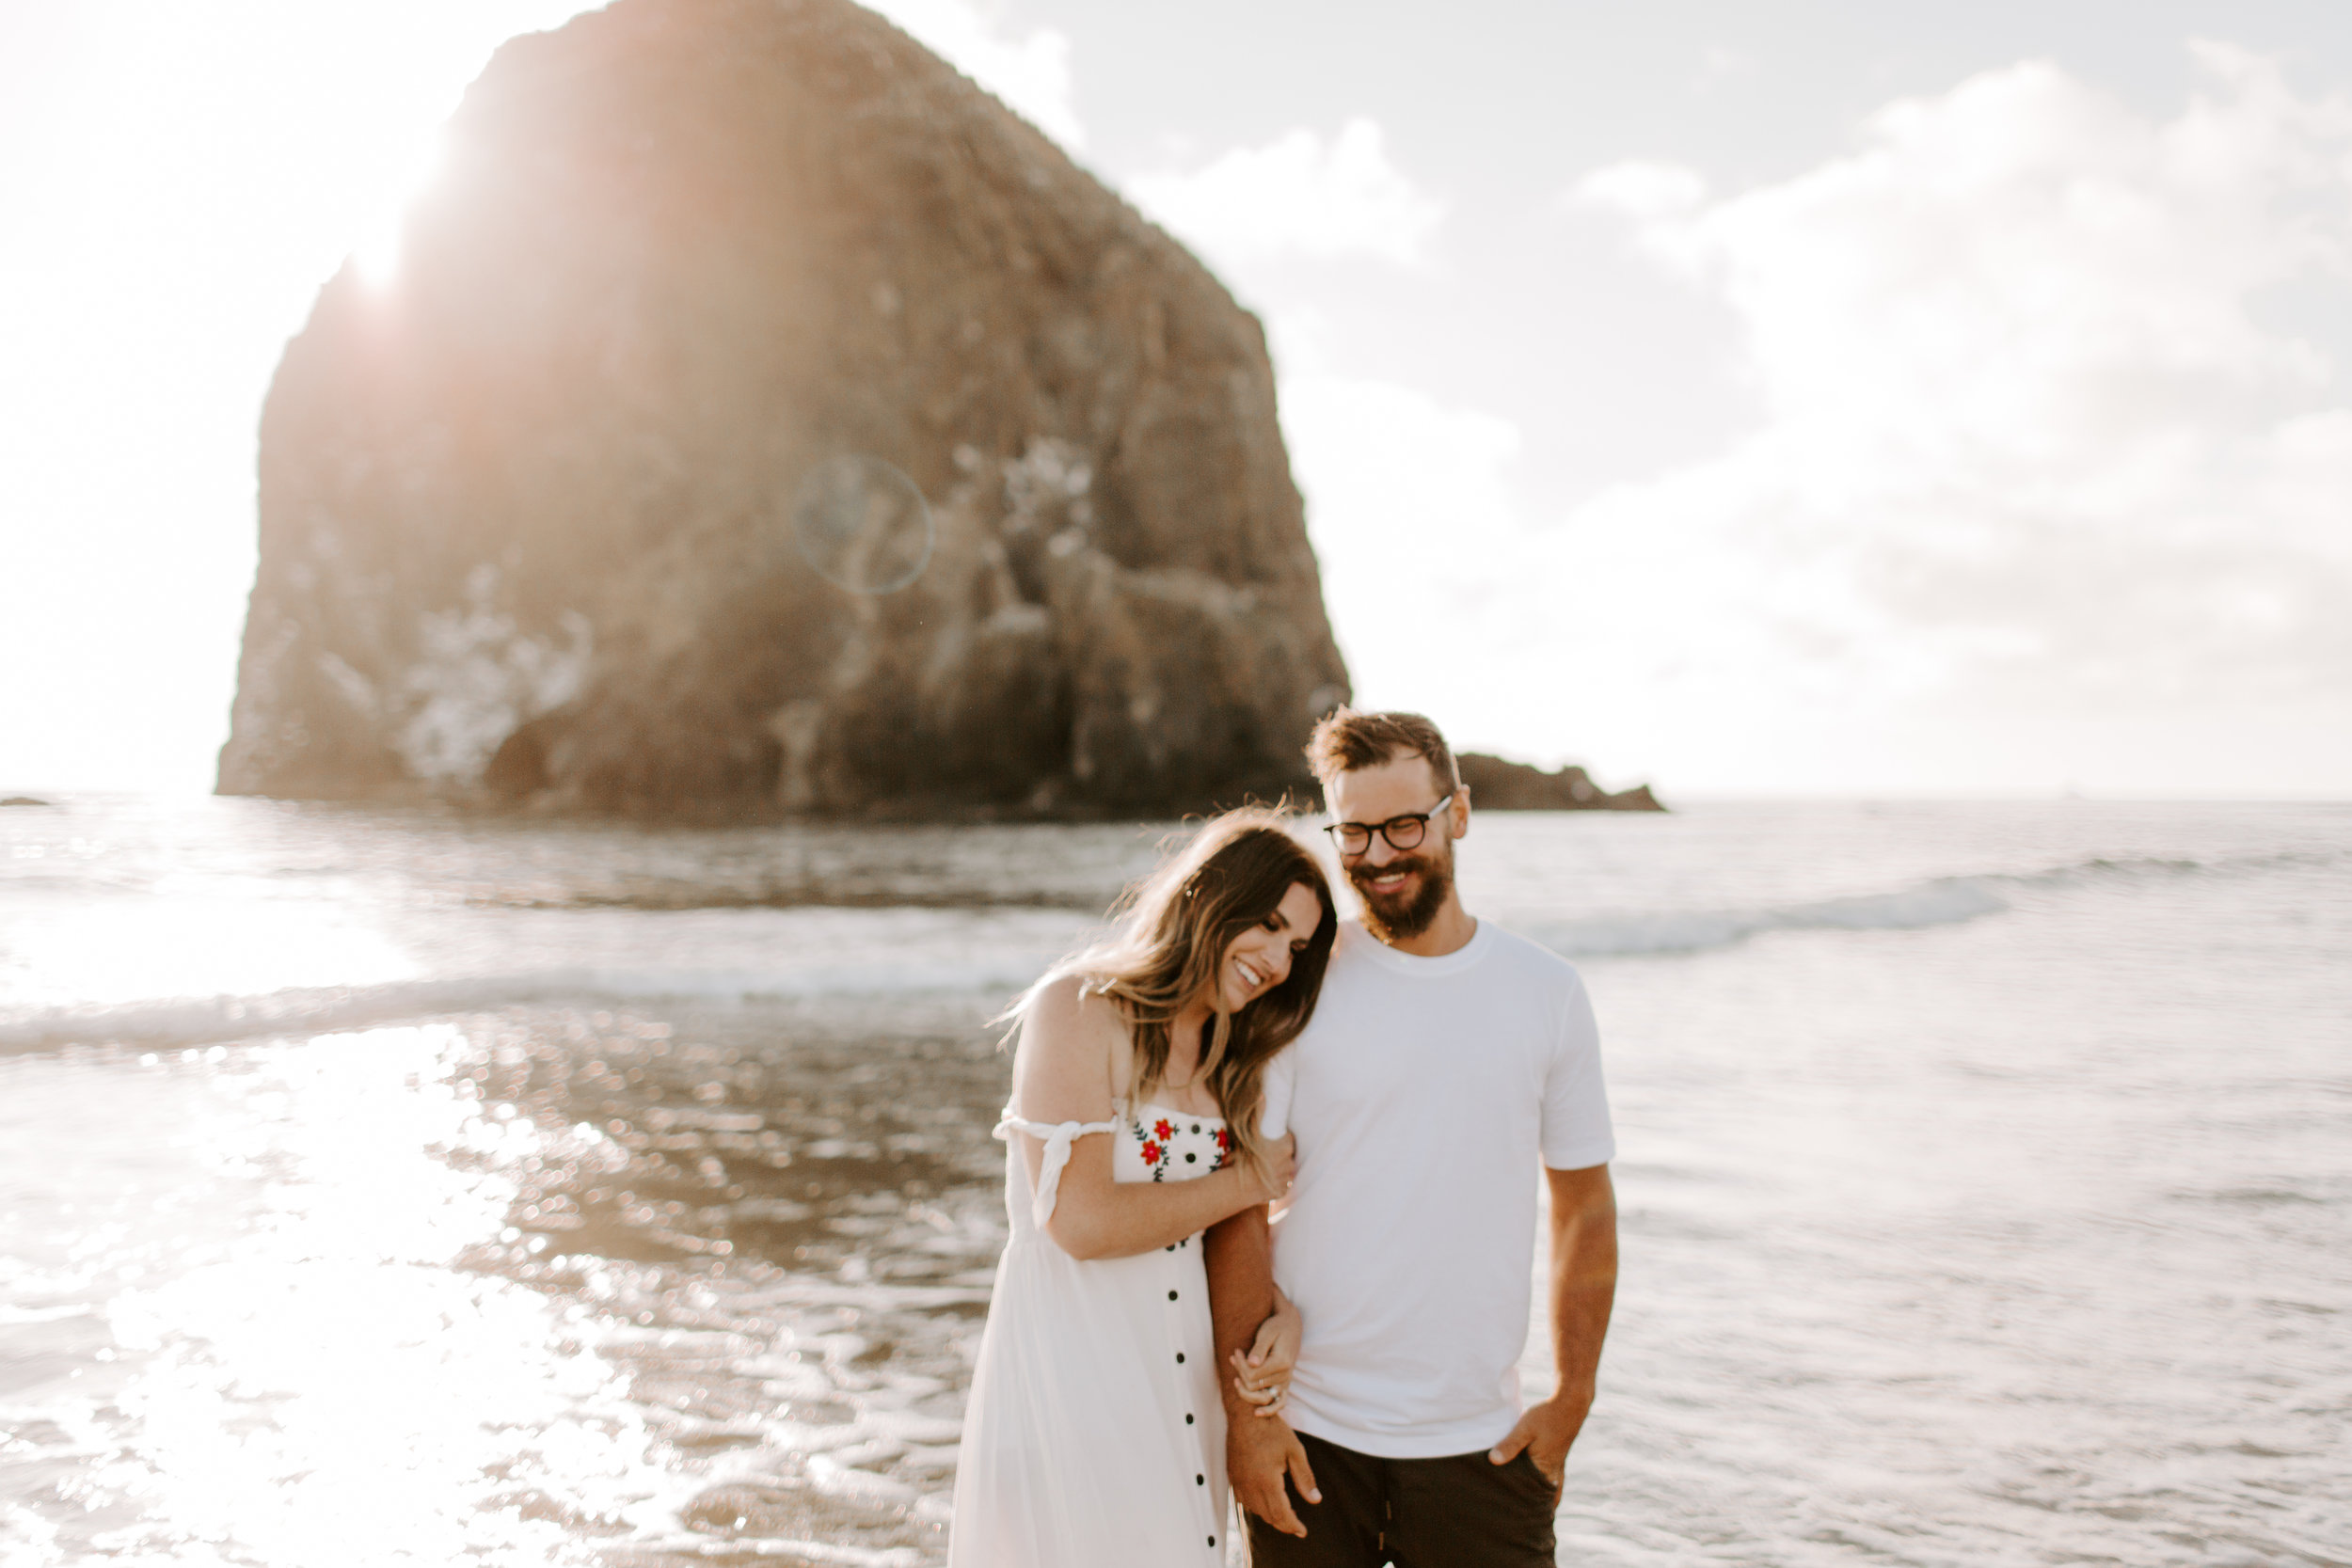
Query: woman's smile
x=1259, y=958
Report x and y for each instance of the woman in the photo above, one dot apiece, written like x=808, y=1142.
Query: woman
x=1095, y=1435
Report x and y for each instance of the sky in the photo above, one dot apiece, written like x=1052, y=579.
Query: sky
x=1759, y=398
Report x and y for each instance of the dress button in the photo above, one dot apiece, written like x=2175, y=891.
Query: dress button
x=1211, y=1540
x=1196, y=1127
x=1171, y=1295
x=1180, y=1356
x=1190, y=1158
x=1200, y=1480
x=1187, y=1420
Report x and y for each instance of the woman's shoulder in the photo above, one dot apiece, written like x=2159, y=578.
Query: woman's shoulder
x=1072, y=1042
x=1066, y=995
x=1065, y=1008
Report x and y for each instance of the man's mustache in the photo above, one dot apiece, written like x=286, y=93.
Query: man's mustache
x=1360, y=875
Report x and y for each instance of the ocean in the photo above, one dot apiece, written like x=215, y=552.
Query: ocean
x=390, y=1187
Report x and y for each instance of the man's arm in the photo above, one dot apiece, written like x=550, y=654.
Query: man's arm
x=1583, y=1288
x=1239, y=1254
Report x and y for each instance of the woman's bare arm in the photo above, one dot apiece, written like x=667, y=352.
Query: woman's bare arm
x=1064, y=1070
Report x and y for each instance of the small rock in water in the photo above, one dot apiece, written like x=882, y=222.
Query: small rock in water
x=1498, y=785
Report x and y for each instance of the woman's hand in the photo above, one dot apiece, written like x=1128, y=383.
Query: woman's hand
x=1061, y=1072
x=1277, y=1163
x=1263, y=1377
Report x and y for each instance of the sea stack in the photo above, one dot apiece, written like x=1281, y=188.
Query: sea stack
x=1499, y=784
x=554, y=511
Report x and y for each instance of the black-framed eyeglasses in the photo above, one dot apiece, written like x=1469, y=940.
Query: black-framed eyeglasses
x=1402, y=832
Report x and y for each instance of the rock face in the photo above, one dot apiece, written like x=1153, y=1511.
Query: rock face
x=535, y=512
x=1500, y=785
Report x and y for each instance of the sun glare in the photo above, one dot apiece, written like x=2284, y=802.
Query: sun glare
x=379, y=249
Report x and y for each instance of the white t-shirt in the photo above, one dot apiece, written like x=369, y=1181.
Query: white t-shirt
x=1424, y=1094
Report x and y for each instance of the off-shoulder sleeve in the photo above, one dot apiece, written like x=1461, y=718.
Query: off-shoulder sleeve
x=1057, y=1138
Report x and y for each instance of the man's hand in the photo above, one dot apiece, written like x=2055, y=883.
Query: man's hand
x=1583, y=1286
x=1546, y=1431
x=1258, y=1455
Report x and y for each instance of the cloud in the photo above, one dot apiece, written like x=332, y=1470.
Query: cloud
x=2023, y=267
x=1655, y=195
x=1031, y=74
x=2032, y=448
x=1298, y=196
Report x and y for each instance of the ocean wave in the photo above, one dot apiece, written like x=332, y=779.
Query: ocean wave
x=180, y=1021
x=199, y=1021
x=1944, y=901
x=1937, y=901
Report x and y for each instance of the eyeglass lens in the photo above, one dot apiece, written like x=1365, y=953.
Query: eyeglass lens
x=1402, y=832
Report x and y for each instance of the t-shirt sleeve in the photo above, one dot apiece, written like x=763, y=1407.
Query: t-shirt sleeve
x=1577, y=1134
x=1281, y=1083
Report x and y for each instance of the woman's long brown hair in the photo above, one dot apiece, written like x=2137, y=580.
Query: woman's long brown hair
x=1169, y=945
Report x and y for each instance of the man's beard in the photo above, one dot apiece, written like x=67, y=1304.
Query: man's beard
x=1392, y=918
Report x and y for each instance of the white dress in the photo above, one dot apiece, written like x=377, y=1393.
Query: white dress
x=1095, y=1433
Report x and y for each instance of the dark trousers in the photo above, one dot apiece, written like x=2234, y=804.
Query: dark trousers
x=1460, y=1511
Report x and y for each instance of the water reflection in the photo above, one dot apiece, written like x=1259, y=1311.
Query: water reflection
x=573, y=1286
x=783, y=1227
x=275, y=1361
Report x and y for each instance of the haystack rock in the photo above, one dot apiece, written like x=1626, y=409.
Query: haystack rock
x=706, y=291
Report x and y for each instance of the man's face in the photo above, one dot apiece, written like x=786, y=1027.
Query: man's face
x=1401, y=890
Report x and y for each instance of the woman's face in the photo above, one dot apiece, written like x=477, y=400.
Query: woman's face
x=1258, y=960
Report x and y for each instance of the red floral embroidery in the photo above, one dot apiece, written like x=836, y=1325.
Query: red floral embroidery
x=1163, y=1129
x=1152, y=1153
x=1225, y=1139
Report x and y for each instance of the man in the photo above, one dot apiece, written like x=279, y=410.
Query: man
x=1448, y=1062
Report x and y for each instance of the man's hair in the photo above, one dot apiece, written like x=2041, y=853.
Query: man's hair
x=1347, y=740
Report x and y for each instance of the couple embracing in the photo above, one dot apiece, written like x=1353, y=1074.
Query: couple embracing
x=1391, y=1089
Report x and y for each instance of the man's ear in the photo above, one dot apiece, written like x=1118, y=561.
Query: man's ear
x=1460, y=811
